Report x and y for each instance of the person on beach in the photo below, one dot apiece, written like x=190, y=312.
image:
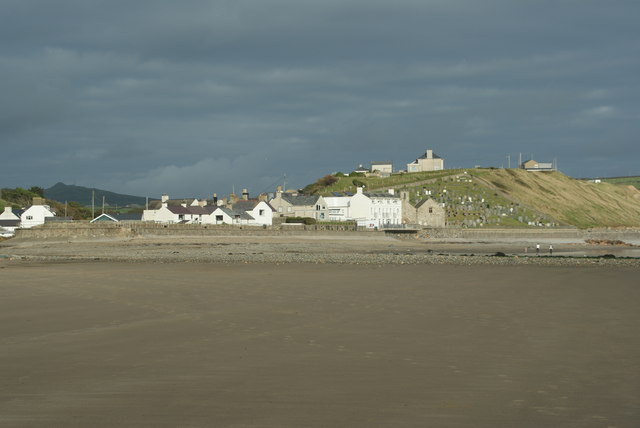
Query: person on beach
x=537, y=249
x=551, y=250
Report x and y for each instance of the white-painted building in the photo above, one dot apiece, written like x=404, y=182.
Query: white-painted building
x=338, y=207
x=35, y=215
x=376, y=209
x=427, y=162
x=8, y=214
x=9, y=222
x=368, y=209
x=260, y=211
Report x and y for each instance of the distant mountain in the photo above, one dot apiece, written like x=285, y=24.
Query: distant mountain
x=63, y=192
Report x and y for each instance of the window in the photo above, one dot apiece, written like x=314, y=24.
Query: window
x=279, y=209
x=29, y=217
x=430, y=210
x=289, y=209
x=261, y=212
x=218, y=218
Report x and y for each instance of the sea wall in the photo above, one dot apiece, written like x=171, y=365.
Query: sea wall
x=80, y=230
x=86, y=230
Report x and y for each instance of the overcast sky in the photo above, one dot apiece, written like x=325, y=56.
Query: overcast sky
x=193, y=97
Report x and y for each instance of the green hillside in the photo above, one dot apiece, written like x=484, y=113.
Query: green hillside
x=82, y=195
x=507, y=197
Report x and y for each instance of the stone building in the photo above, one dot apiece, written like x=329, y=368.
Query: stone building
x=427, y=212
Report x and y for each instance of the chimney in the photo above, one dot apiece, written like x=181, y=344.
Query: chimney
x=38, y=200
x=263, y=197
x=245, y=194
x=215, y=199
x=279, y=189
x=429, y=154
x=391, y=191
x=233, y=198
x=164, y=198
x=359, y=190
x=7, y=210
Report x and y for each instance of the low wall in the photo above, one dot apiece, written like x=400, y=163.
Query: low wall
x=80, y=230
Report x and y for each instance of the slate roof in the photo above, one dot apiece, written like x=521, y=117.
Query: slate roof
x=9, y=223
x=248, y=205
x=422, y=202
x=424, y=156
x=233, y=213
x=127, y=217
x=301, y=200
x=57, y=219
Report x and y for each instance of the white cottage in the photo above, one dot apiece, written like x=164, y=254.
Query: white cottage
x=35, y=215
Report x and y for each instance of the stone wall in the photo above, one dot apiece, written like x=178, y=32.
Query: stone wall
x=79, y=230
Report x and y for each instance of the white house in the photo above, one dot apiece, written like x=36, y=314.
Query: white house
x=427, y=162
x=260, y=211
x=338, y=207
x=35, y=215
x=9, y=222
x=376, y=209
x=8, y=214
x=368, y=209
x=225, y=215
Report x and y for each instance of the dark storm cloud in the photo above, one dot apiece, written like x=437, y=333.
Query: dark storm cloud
x=195, y=97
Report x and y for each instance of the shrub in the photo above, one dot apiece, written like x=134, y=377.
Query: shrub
x=304, y=220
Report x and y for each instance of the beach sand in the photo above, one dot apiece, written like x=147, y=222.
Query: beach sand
x=161, y=342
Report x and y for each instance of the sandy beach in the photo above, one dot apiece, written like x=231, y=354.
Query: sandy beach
x=148, y=335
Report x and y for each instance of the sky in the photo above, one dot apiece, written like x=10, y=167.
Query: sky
x=194, y=97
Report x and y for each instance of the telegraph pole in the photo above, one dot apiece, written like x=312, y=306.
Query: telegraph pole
x=509, y=161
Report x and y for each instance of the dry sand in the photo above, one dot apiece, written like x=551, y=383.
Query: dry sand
x=224, y=344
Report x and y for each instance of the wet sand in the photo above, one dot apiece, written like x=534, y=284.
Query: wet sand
x=297, y=345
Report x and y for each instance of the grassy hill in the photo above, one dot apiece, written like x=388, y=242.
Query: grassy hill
x=82, y=195
x=510, y=197
x=576, y=202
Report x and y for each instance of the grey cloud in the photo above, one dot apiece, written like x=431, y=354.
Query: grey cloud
x=131, y=94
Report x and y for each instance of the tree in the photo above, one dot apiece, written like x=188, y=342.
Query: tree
x=37, y=190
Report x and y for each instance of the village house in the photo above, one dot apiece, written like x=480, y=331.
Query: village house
x=427, y=162
x=379, y=209
x=427, y=212
x=367, y=209
x=192, y=211
x=294, y=205
x=9, y=222
x=260, y=211
x=36, y=214
x=338, y=207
